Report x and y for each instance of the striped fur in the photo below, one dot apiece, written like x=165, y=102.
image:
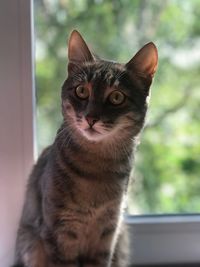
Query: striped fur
x=74, y=200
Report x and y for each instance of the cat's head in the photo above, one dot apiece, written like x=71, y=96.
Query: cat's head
x=103, y=100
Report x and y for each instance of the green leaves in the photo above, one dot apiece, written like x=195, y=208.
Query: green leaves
x=167, y=162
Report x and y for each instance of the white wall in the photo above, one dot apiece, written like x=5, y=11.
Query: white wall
x=16, y=123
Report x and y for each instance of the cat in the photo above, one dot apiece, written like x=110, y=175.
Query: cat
x=72, y=215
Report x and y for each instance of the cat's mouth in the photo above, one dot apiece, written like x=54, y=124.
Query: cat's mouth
x=94, y=132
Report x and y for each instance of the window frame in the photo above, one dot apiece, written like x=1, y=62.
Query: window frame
x=166, y=239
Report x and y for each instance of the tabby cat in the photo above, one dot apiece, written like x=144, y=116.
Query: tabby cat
x=73, y=206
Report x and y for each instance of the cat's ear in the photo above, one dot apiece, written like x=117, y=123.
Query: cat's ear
x=145, y=61
x=78, y=50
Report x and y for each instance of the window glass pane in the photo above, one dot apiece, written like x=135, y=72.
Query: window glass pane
x=167, y=167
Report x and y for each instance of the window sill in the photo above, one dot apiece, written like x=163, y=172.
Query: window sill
x=164, y=239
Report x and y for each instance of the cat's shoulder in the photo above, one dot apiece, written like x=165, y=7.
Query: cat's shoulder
x=44, y=154
x=43, y=158
x=40, y=164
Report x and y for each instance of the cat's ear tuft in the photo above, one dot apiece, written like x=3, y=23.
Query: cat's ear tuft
x=78, y=50
x=145, y=61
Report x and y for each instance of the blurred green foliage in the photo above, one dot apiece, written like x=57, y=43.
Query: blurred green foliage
x=167, y=170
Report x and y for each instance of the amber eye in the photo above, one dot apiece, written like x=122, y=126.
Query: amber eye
x=116, y=97
x=82, y=92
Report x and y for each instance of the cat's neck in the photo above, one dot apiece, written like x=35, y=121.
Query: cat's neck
x=104, y=150
x=92, y=166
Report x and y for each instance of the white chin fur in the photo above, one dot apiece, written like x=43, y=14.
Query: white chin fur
x=92, y=135
x=97, y=133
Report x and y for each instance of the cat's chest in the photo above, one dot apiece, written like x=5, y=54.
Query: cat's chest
x=87, y=228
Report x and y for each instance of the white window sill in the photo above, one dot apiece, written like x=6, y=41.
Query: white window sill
x=167, y=239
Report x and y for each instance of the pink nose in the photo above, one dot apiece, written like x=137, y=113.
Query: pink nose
x=91, y=121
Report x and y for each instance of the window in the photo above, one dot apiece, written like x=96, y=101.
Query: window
x=166, y=176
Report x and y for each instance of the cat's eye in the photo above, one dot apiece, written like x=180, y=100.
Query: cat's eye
x=82, y=92
x=116, y=97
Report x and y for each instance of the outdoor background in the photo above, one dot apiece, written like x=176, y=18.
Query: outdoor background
x=167, y=169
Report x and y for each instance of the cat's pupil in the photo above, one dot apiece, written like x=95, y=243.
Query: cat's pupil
x=82, y=92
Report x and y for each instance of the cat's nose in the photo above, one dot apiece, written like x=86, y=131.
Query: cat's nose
x=91, y=120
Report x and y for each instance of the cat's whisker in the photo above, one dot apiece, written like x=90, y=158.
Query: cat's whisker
x=61, y=132
x=120, y=75
x=67, y=140
x=65, y=134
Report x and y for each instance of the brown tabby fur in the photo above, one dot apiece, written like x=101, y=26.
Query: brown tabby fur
x=73, y=206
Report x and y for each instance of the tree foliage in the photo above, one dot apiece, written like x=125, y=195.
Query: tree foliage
x=166, y=177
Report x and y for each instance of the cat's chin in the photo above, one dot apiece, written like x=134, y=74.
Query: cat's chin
x=92, y=135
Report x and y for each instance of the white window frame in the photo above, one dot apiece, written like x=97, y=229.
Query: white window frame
x=154, y=239
x=165, y=239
